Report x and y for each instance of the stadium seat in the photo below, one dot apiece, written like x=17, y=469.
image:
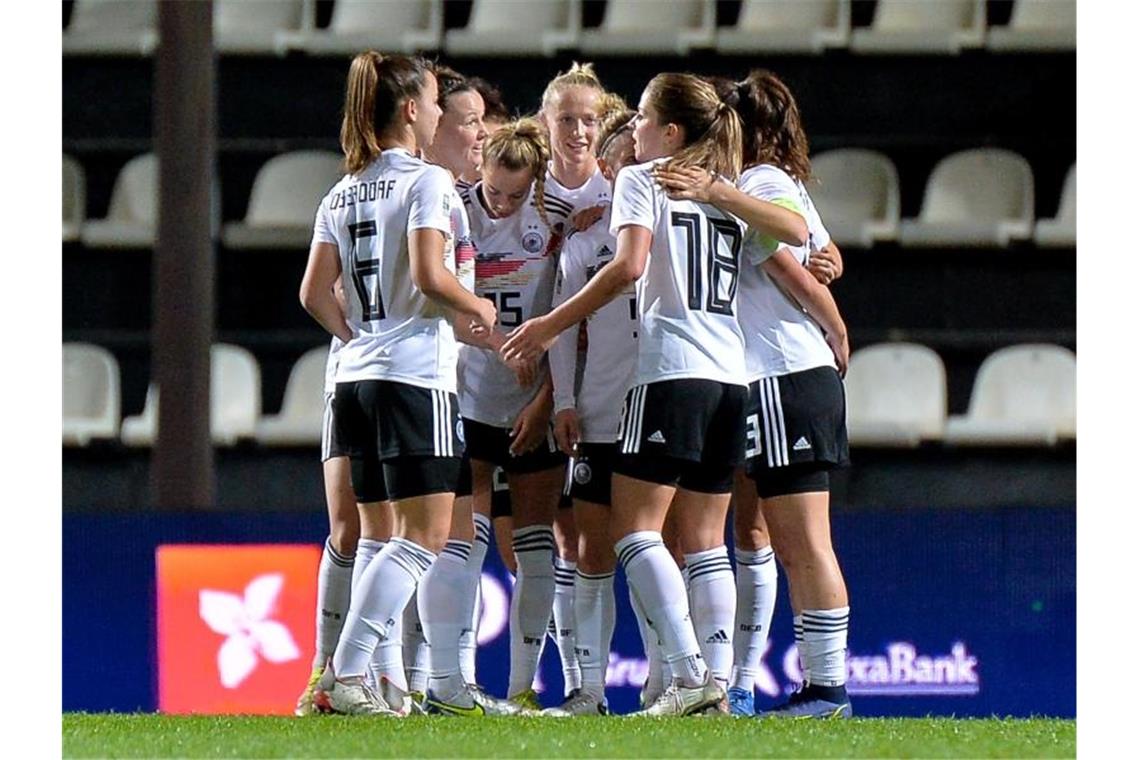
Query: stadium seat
x=857, y=195
x=254, y=28
x=1061, y=230
x=896, y=395
x=922, y=27
x=90, y=394
x=787, y=26
x=235, y=400
x=74, y=198
x=398, y=26
x=978, y=198
x=299, y=422
x=133, y=213
x=112, y=27
x=635, y=27
x=284, y=200
x=496, y=27
x=1023, y=396
x=1037, y=25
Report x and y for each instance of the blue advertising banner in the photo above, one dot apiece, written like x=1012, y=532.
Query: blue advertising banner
x=952, y=613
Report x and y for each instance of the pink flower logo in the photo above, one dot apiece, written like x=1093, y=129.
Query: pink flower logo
x=246, y=624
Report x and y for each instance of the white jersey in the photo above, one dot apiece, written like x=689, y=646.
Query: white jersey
x=687, y=295
x=779, y=336
x=611, y=349
x=462, y=249
x=515, y=263
x=566, y=202
x=331, y=363
x=398, y=333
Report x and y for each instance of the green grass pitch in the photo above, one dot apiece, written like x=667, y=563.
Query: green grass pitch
x=110, y=735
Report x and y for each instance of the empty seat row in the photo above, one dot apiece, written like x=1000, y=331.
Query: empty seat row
x=896, y=396
x=981, y=197
x=542, y=27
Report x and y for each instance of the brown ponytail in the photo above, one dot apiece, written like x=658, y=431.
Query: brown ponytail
x=712, y=128
x=376, y=86
x=773, y=129
x=522, y=144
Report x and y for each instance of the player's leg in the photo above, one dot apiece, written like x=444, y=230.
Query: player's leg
x=565, y=568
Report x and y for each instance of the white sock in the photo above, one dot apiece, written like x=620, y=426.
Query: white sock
x=594, y=618
x=565, y=624
x=414, y=648
x=366, y=551
x=383, y=591
x=712, y=594
x=388, y=657
x=658, y=584
x=469, y=639
x=756, y=576
x=798, y=631
x=654, y=684
x=334, y=588
x=825, y=646
x=442, y=601
x=531, y=602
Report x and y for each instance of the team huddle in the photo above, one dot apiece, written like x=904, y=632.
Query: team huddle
x=591, y=332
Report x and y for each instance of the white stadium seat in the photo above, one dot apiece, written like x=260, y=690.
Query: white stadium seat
x=896, y=395
x=497, y=27
x=922, y=27
x=635, y=27
x=787, y=26
x=397, y=26
x=235, y=400
x=133, y=213
x=857, y=195
x=90, y=394
x=112, y=27
x=1023, y=396
x=74, y=198
x=284, y=198
x=979, y=198
x=254, y=28
x=1061, y=230
x=302, y=410
x=1037, y=25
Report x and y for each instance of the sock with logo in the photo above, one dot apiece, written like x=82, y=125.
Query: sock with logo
x=654, y=683
x=469, y=640
x=388, y=657
x=655, y=579
x=798, y=632
x=824, y=649
x=565, y=625
x=531, y=602
x=443, y=612
x=383, y=591
x=334, y=589
x=414, y=647
x=712, y=594
x=594, y=615
x=756, y=576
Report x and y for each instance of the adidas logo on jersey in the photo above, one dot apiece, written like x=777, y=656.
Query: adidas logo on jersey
x=801, y=444
x=720, y=637
x=656, y=438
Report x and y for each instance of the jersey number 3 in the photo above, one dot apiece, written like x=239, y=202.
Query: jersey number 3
x=366, y=270
x=723, y=267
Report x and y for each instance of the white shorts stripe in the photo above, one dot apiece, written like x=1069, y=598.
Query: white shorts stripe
x=779, y=406
x=447, y=429
x=435, y=415
x=640, y=418
x=326, y=428
x=766, y=414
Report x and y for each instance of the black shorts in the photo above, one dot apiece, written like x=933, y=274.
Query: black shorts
x=591, y=472
x=331, y=446
x=796, y=420
x=488, y=443
x=500, y=491
x=688, y=433
x=404, y=441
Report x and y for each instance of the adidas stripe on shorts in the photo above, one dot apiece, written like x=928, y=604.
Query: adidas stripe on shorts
x=796, y=419
x=331, y=446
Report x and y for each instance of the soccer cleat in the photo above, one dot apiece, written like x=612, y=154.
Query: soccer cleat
x=648, y=696
x=578, y=703
x=417, y=699
x=527, y=700
x=685, y=700
x=305, y=701
x=741, y=702
x=470, y=702
x=813, y=702
x=349, y=696
x=398, y=700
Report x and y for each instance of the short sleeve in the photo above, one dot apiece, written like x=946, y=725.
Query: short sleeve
x=774, y=186
x=633, y=200
x=430, y=201
x=323, y=226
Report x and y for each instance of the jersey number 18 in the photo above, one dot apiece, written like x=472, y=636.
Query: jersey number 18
x=723, y=267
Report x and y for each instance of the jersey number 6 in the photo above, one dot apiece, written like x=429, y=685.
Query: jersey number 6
x=366, y=270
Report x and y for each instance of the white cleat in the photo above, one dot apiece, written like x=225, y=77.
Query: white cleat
x=349, y=696
x=685, y=700
x=578, y=703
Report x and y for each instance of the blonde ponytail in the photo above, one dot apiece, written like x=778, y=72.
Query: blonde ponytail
x=522, y=144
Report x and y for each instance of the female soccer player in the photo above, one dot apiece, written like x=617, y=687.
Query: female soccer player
x=383, y=231
x=797, y=351
x=683, y=425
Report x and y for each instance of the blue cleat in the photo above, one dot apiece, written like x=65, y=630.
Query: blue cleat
x=814, y=702
x=741, y=702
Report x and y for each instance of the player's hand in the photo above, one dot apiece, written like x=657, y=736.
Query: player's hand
x=687, y=183
x=528, y=341
x=531, y=425
x=826, y=264
x=587, y=218
x=483, y=320
x=840, y=349
x=566, y=431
